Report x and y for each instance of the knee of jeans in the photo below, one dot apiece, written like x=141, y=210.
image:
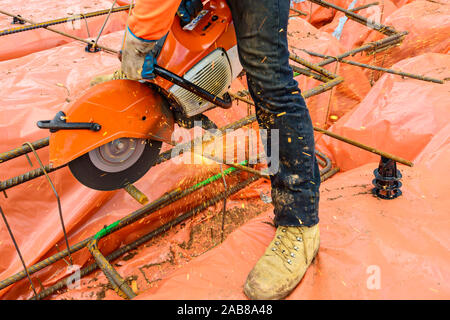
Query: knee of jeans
x=293, y=182
x=307, y=200
x=277, y=96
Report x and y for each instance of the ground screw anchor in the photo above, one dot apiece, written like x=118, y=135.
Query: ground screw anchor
x=387, y=180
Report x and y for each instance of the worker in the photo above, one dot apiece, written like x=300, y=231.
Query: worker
x=261, y=32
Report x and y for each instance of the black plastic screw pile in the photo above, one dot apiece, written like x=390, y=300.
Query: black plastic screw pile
x=387, y=180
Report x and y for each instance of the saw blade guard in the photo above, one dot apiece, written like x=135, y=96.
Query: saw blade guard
x=122, y=108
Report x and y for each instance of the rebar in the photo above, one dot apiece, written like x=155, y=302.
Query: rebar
x=358, y=18
x=106, y=49
x=17, y=249
x=118, y=283
x=12, y=182
x=24, y=149
x=62, y=20
x=364, y=6
x=298, y=11
x=239, y=166
x=329, y=174
x=313, y=66
x=42, y=264
x=341, y=138
x=224, y=205
x=153, y=206
x=323, y=87
x=326, y=165
x=330, y=79
x=370, y=47
x=368, y=66
x=308, y=73
x=104, y=24
x=174, y=195
x=136, y=194
x=364, y=147
x=56, y=195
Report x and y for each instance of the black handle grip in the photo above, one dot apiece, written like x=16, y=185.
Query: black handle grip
x=47, y=124
x=225, y=103
x=59, y=123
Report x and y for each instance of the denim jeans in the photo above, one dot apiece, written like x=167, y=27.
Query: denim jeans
x=261, y=31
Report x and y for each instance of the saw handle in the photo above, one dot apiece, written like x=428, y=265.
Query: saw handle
x=225, y=103
x=59, y=123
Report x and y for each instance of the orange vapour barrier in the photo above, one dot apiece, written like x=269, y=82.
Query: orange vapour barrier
x=352, y=34
x=395, y=249
x=428, y=27
x=343, y=97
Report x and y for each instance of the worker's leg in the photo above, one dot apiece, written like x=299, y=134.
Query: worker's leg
x=262, y=41
x=261, y=29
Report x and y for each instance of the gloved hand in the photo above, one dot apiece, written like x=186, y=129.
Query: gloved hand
x=188, y=10
x=137, y=57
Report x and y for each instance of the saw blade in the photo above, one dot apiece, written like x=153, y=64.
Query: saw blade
x=115, y=164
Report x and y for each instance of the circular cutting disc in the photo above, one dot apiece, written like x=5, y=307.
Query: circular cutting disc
x=114, y=165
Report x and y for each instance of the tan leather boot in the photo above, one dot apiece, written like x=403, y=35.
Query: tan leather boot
x=108, y=77
x=283, y=264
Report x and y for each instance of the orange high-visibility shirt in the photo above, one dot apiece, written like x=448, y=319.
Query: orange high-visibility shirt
x=151, y=19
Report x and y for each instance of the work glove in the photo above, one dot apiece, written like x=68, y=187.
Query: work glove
x=188, y=10
x=137, y=58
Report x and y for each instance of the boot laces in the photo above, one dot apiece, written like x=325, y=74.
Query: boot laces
x=118, y=75
x=287, y=244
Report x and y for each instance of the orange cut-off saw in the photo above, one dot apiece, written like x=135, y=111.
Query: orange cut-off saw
x=112, y=135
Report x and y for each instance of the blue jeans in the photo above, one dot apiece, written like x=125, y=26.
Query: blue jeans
x=261, y=31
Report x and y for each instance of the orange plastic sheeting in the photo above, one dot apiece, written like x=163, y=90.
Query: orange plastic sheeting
x=354, y=34
x=35, y=88
x=401, y=3
x=23, y=43
x=317, y=15
x=345, y=96
x=428, y=26
x=123, y=2
x=370, y=248
x=399, y=116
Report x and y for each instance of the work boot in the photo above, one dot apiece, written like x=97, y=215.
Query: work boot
x=118, y=74
x=283, y=264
